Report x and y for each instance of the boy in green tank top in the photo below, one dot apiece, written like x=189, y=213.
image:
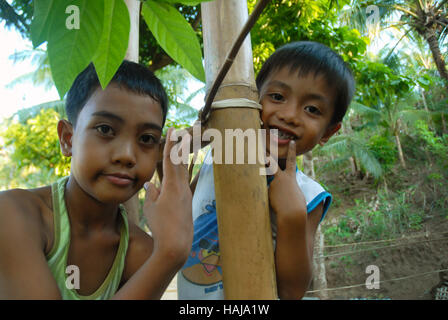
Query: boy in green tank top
x=72, y=240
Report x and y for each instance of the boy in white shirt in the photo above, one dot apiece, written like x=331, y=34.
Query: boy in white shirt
x=305, y=89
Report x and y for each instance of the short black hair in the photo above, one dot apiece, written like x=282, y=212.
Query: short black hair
x=130, y=75
x=308, y=56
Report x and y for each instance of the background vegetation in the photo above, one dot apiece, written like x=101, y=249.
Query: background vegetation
x=388, y=166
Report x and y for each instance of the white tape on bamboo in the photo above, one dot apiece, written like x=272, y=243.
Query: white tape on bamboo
x=236, y=103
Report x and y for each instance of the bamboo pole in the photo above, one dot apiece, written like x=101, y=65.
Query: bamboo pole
x=241, y=193
x=132, y=205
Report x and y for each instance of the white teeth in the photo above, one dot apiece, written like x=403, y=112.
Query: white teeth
x=283, y=135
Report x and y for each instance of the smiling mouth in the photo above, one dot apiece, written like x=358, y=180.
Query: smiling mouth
x=282, y=135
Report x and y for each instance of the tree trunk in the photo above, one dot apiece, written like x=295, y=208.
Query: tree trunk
x=425, y=105
x=400, y=150
x=245, y=238
x=353, y=166
x=133, y=205
x=308, y=164
x=443, y=124
x=352, y=159
x=436, y=54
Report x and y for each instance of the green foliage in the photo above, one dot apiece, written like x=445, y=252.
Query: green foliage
x=33, y=148
x=385, y=217
x=71, y=50
x=285, y=21
x=437, y=145
x=17, y=13
x=103, y=35
x=41, y=75
x=176, y=81
x=175, y=35
x=384, y=150
x=378, y=84
x=186, y=2
x=112, y=45
x=354, y=144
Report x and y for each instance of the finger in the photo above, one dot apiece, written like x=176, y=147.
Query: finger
x=152, y=193
x=175, y=160
x=169, y=144
x=272, y=167
x=291, y=157
x=185, y=147
x=190, y=169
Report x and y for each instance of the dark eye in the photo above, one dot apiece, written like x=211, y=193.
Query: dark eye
x=105, y=130
x=313, y=110
x=276, y=96
x=148, y=139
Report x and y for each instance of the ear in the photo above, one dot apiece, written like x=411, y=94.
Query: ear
x=331, y=130
x=65, y=133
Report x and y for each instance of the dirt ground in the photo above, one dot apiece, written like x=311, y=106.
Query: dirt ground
x=403, y=261
x=404, y=267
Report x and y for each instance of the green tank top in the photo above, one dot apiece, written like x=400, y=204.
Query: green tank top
x=57, y=257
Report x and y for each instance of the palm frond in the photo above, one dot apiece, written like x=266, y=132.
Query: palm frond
x=368, y=160
x=365, y=110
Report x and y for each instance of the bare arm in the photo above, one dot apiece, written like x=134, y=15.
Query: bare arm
x=294, y=254
x=24, y=272
x=295, y=231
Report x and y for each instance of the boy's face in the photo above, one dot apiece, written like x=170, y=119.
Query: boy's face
x=301, y=108
x=115, y=144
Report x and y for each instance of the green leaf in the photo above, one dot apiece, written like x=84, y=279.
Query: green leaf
x=43, y=10
x=114, y=40
x=186, y=2
x=175, y=35
x=71, y=50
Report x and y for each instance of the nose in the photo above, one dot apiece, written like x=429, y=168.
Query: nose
x=289, y=113
x=124, y=154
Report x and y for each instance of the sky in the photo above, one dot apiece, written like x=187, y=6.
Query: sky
x=25, y=95
x=22, y=95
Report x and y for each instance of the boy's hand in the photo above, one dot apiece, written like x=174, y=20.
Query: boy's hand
x=285, y=196
x=168, y=209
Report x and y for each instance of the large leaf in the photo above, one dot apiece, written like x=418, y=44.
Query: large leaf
x=175, y=35
x=114, y=40
x=71, y=50
x=43, y=10
x=186, y=2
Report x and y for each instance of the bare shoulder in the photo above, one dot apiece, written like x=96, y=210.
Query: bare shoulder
x=23, y=239
x=139, y=250
x=23, y=204
x=25, y=210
